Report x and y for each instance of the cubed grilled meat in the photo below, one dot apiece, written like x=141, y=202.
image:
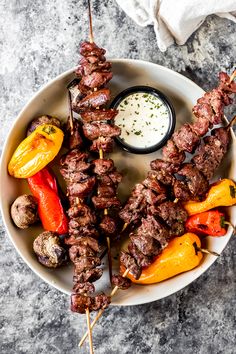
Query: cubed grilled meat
x=88, y=49
x=75, y=160
x=130, y=263
x=82, y=215
x=201, y=126
x=96, y=79
x=154, y=185
x=168, y=167
x=185, y=138
x=90, y=275
x=172, y=154
x=76, y=251
x=150, y=227
x=105, y=203
x=79, y=302
x=103, y=143
x=223, y=135
x=84, y=263
x=141, y=259
x=106, y=191
x=93, y=100
x=94, y=130
x=181, y=190
x=164, y=177
x=195, y=180
x=171, y=212
x=98, y=115
x=121, y=282
x=209, y=156
x=82, y=189
x=147, y=245
x=103, y=166
x=74, y=230
x=108, y=225
x=84, y=288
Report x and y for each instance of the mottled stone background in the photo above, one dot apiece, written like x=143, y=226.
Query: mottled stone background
x=38, y=41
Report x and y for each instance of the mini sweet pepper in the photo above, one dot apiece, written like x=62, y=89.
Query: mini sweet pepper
x=36, y=151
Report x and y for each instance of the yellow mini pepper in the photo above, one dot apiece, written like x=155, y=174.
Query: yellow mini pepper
x=222, y=193
x=36, y=151
x=181, y=254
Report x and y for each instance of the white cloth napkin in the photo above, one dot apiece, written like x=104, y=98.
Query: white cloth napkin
x=176, y=19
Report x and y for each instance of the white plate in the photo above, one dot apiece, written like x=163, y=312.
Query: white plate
x=52, y=99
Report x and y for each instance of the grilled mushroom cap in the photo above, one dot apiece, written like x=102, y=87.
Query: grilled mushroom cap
x=24, y=211
x=48, y=249
x=42, y=120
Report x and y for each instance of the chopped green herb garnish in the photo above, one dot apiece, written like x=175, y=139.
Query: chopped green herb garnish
x=138, y=132
x=125, y=102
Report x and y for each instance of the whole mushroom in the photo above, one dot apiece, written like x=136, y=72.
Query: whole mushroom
x=24, y=211
x=42, y=120
x=48, y=249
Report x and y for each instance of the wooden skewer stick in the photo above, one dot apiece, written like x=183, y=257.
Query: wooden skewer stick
x=232, y=122
x=203, y=250
x=71, y=114
x=107, y=239
x=91, y=40
x=114, y=291
x=232, y=77
x=89, y=331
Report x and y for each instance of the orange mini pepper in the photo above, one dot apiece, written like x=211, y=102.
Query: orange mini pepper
x=181, y=254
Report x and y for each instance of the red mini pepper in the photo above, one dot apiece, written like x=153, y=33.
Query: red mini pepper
x=211, y=223
x=43, y=186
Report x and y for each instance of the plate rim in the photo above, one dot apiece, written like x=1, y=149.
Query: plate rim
x=4, y=151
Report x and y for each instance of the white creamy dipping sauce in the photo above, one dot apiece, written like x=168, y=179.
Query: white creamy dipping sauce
x=144, y=119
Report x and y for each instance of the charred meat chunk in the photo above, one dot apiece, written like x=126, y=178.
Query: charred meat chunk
x=82, y=214
x=150, y=227
x=79, y=303
x=96, y=79
x=172, y=154
x=24, y=211
x=168, y=167
x=93, y=100
x=141, y=259
x=105, y=203
x=85, y=263
x=100, y=302
x=108, y=225
x=130, y=263
x=94, y=130
x=75, y=160
x=121, y=282
x=81, y=231
x=88, y=49
x=98, y=115
x=147, y=245
x=185, y=138
x=171, y=212
x=84, y=288
x=197, y=183
x=181, y=190
x=90, y=275
x=82, y=189
x=49, y=250
x=154, y=185
x=104, y=143
x=209, y=156
x=103, y=166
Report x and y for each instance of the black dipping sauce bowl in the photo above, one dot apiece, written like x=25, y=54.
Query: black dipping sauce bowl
x=122, y=99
